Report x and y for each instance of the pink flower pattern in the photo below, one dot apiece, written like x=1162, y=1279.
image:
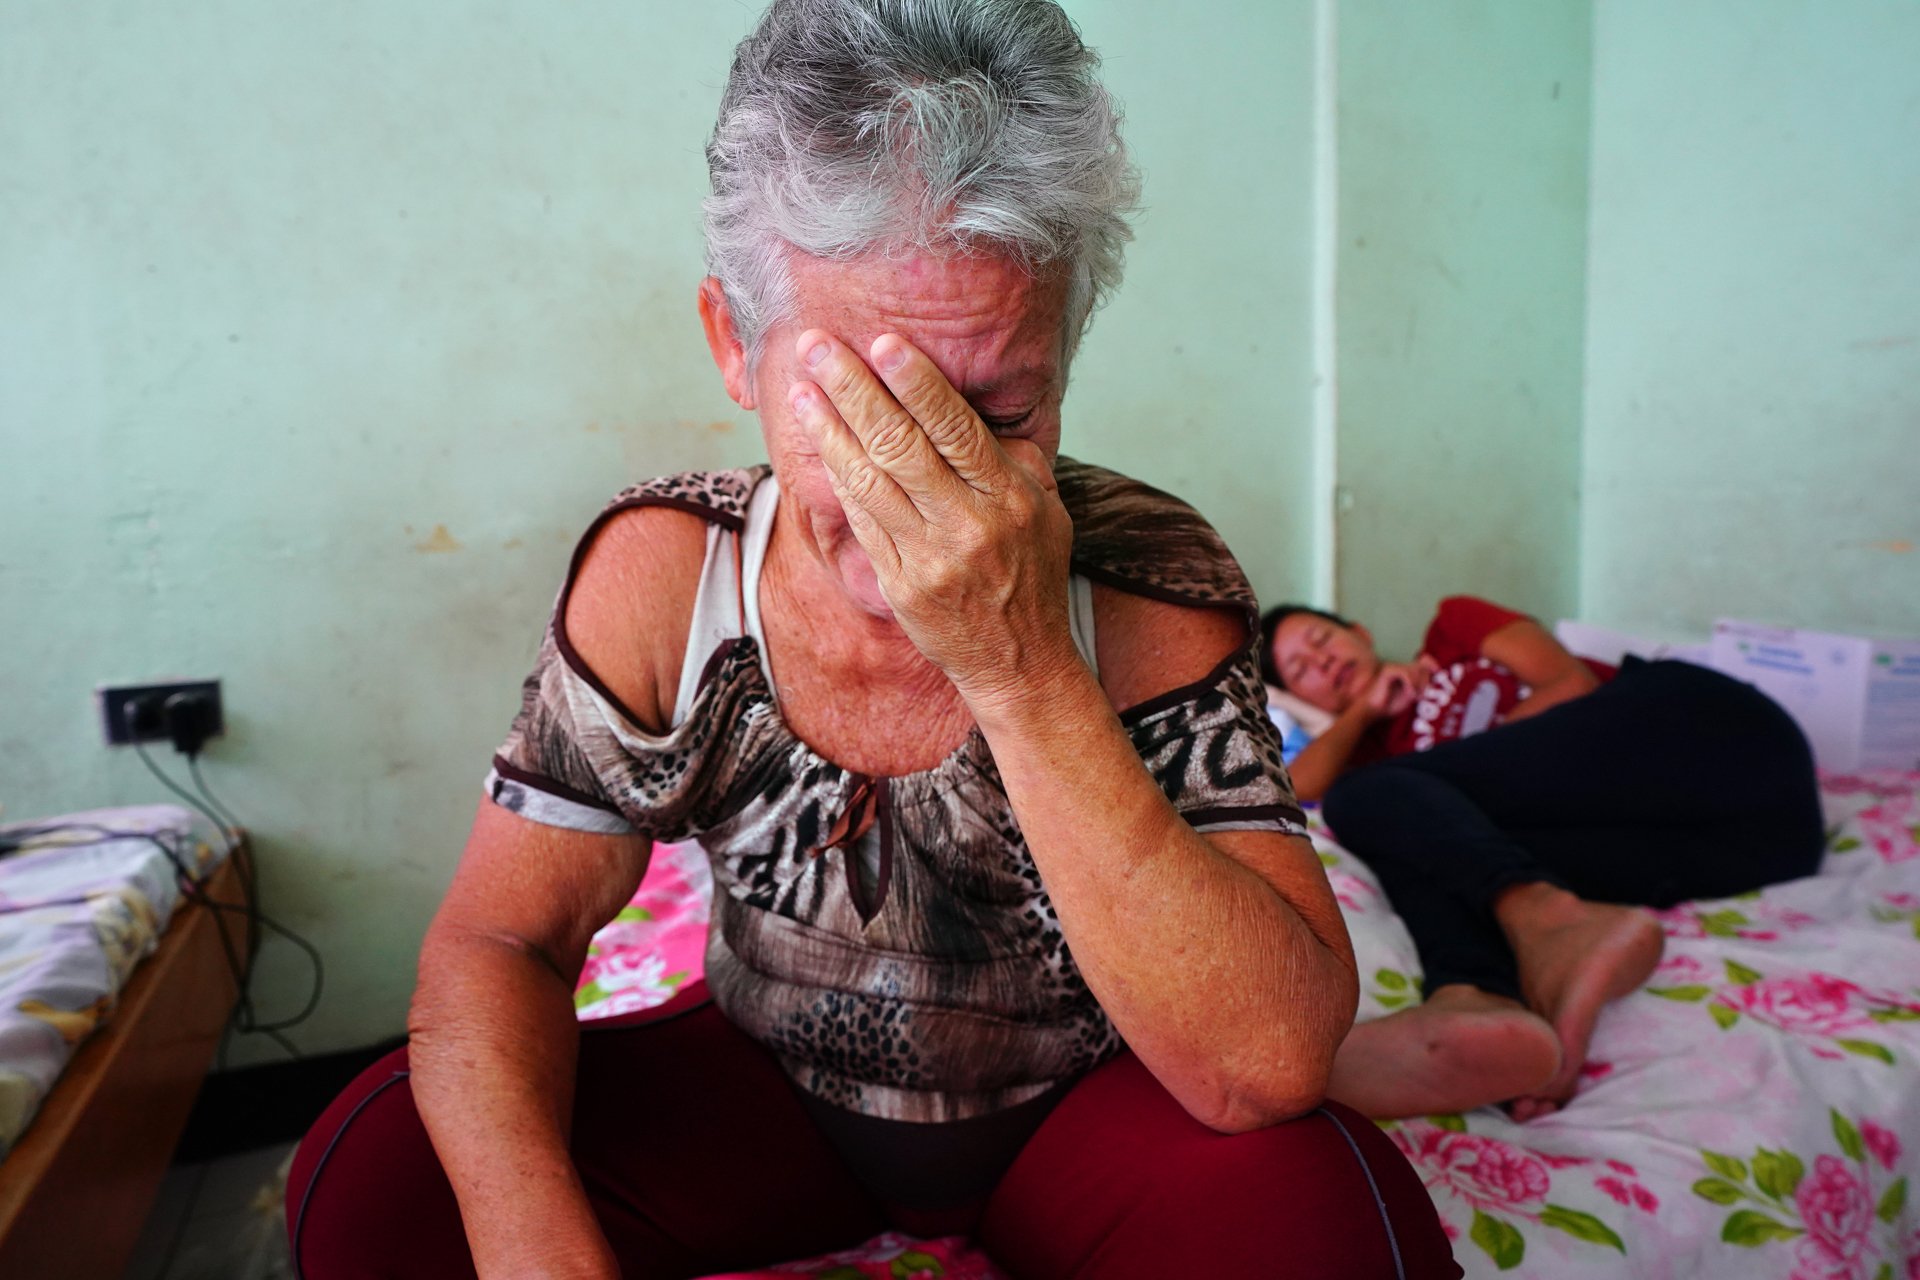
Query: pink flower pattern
x=1627, y=1189
x=1837, y=1212
x=1811, y=1004
x=1884, y=1144
x=1498, y=1181
x=1355, y=895
x=1882, y=784
x=1891, y=828
x=1485, y=1172
x=892, y=1256
x=1828, y=1214
x=657, y=945
x=1758, y=922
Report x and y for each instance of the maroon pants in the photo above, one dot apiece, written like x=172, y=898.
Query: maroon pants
x=699, y=1157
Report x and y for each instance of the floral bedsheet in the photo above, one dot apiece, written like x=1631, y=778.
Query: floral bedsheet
x=658, y=942
x=1753, y=1113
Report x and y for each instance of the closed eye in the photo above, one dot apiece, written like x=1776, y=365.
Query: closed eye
x=1001, y=424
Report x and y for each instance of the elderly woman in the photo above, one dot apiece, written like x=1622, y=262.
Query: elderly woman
x=1015, y=930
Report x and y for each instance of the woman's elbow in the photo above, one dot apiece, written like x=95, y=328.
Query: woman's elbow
x=1247, y=1105
x=1288, y=1078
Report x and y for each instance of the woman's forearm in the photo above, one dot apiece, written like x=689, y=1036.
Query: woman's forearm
x=1234, y=990
x=493, y=1051
x=1322, y=761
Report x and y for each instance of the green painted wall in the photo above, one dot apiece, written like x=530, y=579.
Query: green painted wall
x=324, y=330
x=1199, y=375
x=1462, y=142
x=1753, y=403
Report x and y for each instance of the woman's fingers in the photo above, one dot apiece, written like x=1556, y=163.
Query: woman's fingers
x=1027, y=456
x=949, y=422
x=878, y=510
x=887, y=430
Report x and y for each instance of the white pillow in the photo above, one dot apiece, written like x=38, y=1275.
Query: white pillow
x=1298, y=722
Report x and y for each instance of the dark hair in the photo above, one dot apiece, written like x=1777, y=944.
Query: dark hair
x=1270, y=626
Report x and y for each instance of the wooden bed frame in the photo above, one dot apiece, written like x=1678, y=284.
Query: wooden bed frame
x=76, y=1190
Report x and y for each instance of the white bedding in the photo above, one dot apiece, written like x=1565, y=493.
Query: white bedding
x=78, y=912
x=1753, y=1113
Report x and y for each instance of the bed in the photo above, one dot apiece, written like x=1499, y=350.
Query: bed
x=113, y=995
x=1753, y=1112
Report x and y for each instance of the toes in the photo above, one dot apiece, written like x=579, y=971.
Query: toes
x=1522, y=1110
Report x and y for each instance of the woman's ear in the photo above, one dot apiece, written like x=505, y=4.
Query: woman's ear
x=729, y=356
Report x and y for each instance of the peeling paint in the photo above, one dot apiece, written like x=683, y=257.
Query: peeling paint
x=439, y=540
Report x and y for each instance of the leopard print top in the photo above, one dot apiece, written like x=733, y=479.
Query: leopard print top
x=944, y=990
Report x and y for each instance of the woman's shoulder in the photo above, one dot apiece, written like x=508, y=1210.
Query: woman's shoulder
x=1129, y=535
x=719, y=497
x=629, y=594
x=1461, y=624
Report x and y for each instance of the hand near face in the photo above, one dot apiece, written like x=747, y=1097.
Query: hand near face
x=967, y=533
x=1395, y=687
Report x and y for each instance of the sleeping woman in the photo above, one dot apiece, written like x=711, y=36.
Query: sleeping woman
x=1520, y=805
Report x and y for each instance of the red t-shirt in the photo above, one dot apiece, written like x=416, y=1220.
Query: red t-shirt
x=1469, y=694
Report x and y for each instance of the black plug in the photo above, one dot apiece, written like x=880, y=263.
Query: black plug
x=144, y=716
x=190, y=719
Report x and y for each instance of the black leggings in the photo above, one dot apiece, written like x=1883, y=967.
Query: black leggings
x=1670, y=782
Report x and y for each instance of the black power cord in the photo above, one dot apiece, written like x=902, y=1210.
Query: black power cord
x=188, y=719
x=193, y=887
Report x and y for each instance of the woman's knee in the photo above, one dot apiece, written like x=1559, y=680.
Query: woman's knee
x=1354, y=795
x=1367, y=809
x=366, y=1196
x=1121, y=1182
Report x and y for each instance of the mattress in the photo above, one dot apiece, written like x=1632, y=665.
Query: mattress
x=1753, y=1112
x=79, y=910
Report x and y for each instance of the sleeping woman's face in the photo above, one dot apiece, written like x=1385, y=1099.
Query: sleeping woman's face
x=1322, y=662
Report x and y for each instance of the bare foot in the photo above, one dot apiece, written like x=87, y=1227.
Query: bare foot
x=1462, y=1049
x=1575, y=957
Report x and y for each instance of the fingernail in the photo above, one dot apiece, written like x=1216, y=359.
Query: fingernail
x=816, y=354
x=890, y=357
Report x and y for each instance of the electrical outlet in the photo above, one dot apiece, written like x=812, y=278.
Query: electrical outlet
x=136, y=712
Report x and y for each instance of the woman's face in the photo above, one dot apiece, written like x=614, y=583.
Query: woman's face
x=1322, y=662
x=991, y=328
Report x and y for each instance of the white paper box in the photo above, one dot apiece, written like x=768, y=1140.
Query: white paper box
x=1856, y=699
x=1891, y=737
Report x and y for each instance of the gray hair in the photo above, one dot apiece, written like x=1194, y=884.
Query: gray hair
x=853, y=126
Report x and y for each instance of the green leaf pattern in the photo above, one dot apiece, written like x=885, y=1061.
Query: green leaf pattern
x=1723, y=1006
x=1765, y=1209
x=1501, y=1240
x=1395, y=989
x=1506, y=1186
